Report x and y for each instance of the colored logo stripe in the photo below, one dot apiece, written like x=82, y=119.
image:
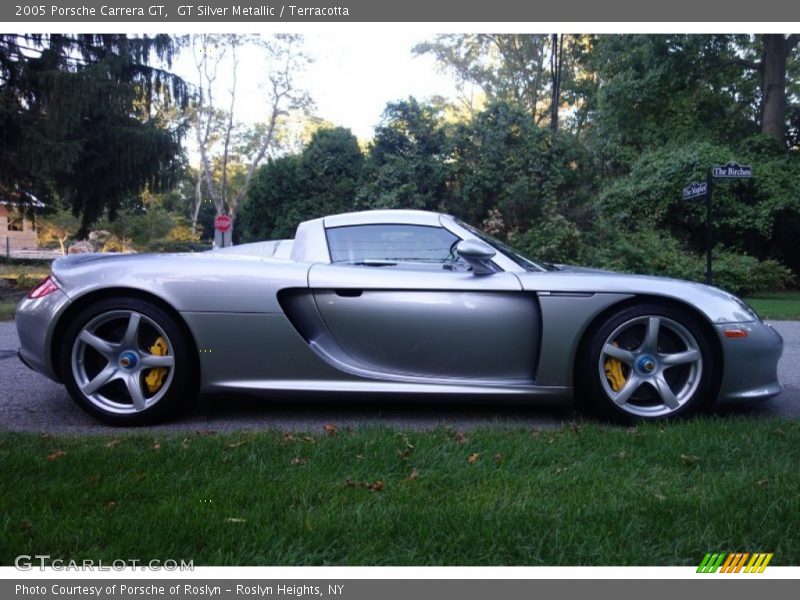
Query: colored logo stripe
x=711, y=562
x=734, y=562
x=760, y=562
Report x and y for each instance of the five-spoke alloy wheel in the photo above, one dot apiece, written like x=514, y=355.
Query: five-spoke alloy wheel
x=126, y=361
x=649, y=362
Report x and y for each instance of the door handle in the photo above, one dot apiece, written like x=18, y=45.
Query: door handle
x=348, y=292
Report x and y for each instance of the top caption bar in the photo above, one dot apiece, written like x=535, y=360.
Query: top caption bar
x=355, y=11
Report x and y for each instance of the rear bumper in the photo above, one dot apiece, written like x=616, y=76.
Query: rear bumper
x=750, y=363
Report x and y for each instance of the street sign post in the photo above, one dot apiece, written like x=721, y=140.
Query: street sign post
x=731, y=170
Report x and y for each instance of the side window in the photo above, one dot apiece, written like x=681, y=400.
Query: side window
x=392, y=245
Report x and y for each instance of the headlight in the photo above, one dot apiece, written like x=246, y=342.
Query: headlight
x=746, y=307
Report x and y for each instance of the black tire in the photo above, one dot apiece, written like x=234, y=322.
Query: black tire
x=680, y=335
x=79, y=359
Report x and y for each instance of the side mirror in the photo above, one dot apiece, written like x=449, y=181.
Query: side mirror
x=478, y=254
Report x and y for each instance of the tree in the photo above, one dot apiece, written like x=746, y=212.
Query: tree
x=407, y=162
x=322, y=180
x=505, y=67
x=777, y=49
x=81, y=118
x=511, y=68
x=215, y=129
x=556, y=73
x=502, y=161
x=656, y=89
x=59, y=227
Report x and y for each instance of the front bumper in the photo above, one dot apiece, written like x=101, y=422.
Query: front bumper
x=750, y=363
x=35, y=320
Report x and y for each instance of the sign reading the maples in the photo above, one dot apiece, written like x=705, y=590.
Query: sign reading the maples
x=695, y=190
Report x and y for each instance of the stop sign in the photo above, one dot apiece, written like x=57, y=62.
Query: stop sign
x=222, y=223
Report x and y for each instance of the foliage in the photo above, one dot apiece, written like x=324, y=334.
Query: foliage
x=650, y=251
x=659, y=89
x=276, y=187
x=229, y=152
x=57, y=228
x=506, y=68
x=553, y=239
x=502, y=160
x=406, y=165
x=751, y=216
x=322, y=180
x=81, y=118
x=145, y=229
x=743, y=274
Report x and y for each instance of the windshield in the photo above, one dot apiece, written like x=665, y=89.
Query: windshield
x=522, y=260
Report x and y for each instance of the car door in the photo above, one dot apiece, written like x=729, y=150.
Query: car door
x=396, y=303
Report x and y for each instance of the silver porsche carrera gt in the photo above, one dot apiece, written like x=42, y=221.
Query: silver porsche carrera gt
x=392, y=301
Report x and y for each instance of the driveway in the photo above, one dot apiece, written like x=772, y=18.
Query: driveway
x=30, y=402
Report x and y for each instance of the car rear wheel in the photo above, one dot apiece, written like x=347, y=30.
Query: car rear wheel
x=648, y=362
x=126, y=362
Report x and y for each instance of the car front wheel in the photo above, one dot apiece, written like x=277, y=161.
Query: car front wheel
x=649, y=362
x=126, y=362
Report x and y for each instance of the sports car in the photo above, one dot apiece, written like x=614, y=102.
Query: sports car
x=394, y=301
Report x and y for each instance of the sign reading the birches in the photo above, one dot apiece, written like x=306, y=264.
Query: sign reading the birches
x=732, y=170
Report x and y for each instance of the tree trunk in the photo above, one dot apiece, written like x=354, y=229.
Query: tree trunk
x=556, y=67
x=773, y=86
x=198, y=200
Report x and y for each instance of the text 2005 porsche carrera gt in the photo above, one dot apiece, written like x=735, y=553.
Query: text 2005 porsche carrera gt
x=387, y=301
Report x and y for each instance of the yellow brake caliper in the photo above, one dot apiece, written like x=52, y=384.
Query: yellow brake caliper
x=155, y=378
x=613, y=368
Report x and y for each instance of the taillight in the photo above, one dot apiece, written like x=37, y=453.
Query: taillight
x=45, y=287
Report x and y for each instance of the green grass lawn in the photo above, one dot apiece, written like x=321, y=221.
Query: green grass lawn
x=581, y=495
x=777, y=305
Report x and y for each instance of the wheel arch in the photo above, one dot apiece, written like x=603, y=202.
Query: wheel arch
x=586, y=336
x=80, y=303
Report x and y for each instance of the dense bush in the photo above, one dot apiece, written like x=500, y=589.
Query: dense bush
x=555, y=239
x=744, y=275
x=750, y=216
x=648, y=251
